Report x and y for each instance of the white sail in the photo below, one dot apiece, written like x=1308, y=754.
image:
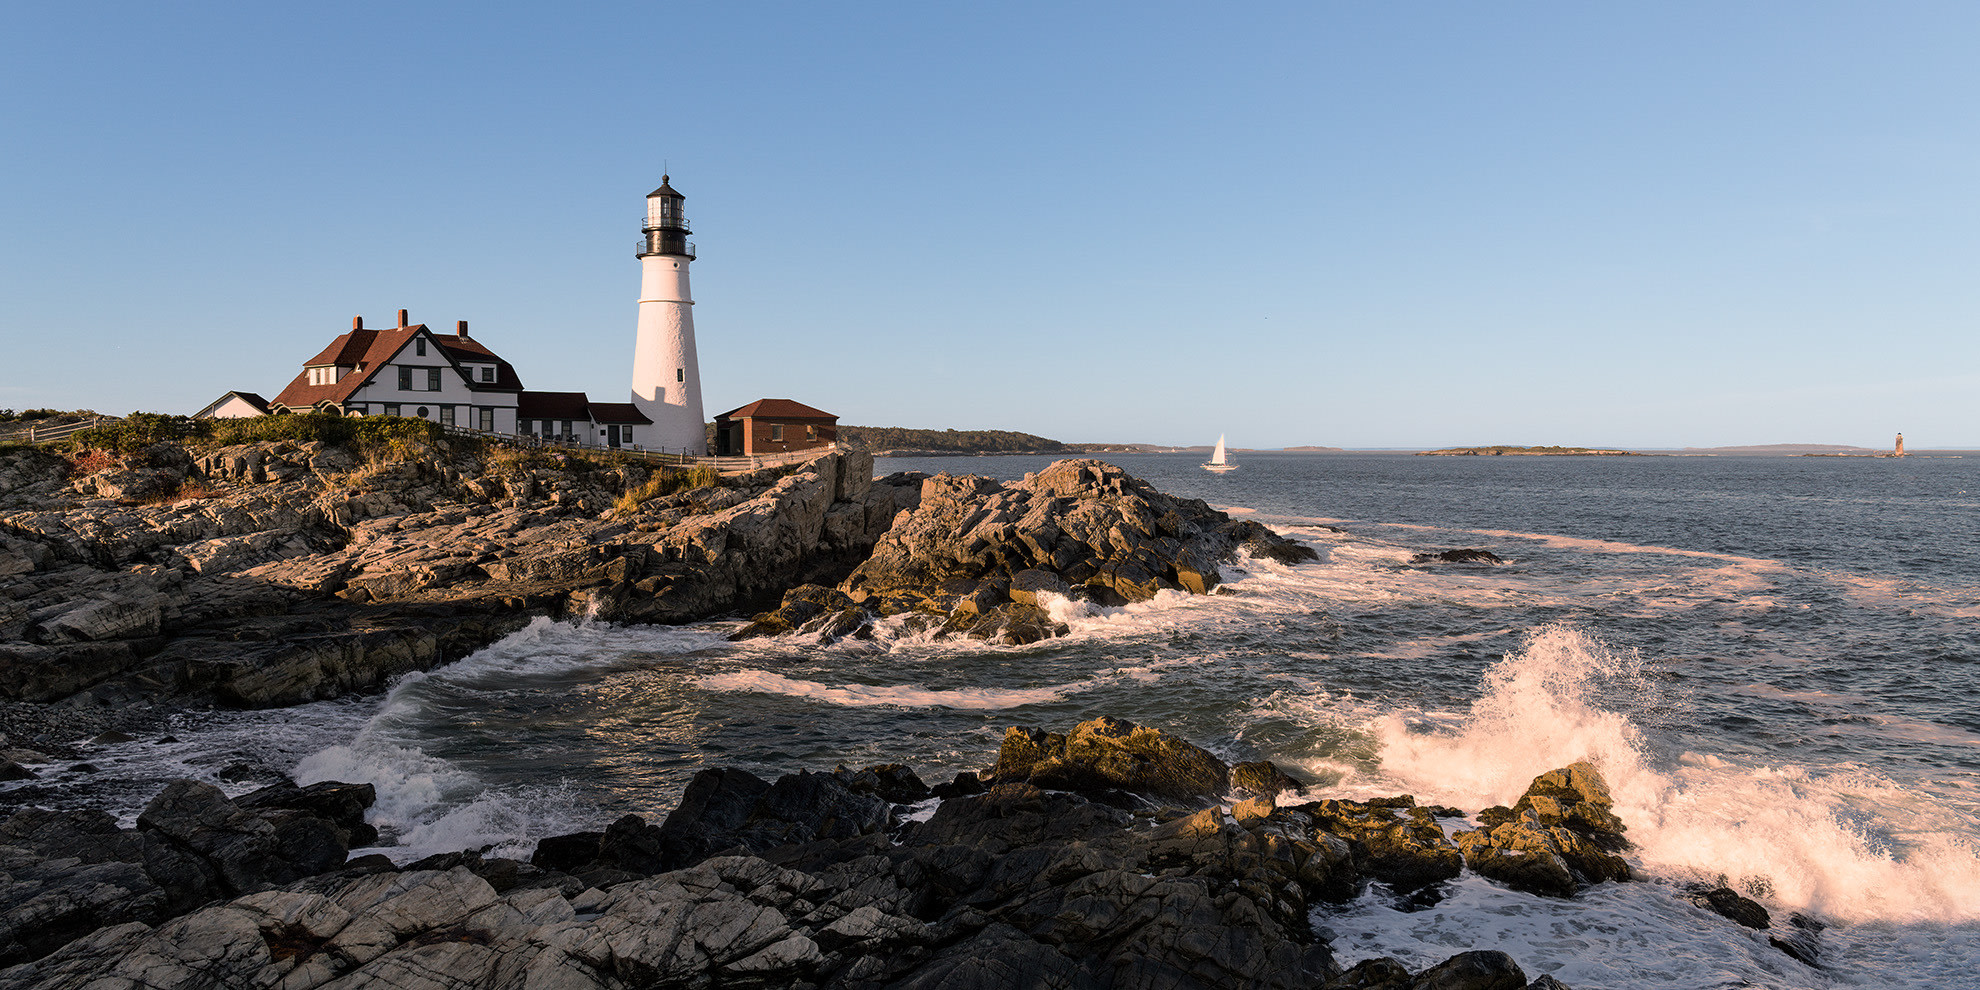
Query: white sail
x=1219, y=462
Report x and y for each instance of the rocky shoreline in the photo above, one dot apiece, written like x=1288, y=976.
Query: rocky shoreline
x=1108, y=856
x=293, y=572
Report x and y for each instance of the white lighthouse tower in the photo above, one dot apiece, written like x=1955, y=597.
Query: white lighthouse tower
x=666, y=383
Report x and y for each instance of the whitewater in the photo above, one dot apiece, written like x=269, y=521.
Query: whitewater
x=1772, y=660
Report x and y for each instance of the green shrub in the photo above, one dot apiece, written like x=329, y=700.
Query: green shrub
x=139, y=430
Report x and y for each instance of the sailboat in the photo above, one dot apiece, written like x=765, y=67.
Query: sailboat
x=1219, y=462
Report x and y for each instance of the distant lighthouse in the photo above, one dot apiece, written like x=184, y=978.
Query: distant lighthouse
x=666, y=383
x=1899, y=452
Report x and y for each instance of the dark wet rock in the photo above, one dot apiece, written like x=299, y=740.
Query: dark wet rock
x=1381, y=973
x=889, y=782
x=728, y=809
x=1475, y=970
x=965, y=784
x=1262, y=778
x=1727, y=903
x=1803, y=941
x=9, y=770
x=1106, y=754
x=1563, y=834
x=342, y=805
x=1462, y=556
x=565, y=853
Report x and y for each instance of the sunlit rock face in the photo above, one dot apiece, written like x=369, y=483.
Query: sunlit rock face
x=983, y=559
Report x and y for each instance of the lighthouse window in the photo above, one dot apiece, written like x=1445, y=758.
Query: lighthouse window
x=680, y=374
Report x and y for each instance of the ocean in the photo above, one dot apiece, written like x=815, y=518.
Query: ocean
x=1773, y=660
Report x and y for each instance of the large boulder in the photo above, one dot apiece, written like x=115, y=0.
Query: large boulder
x=991, y=555
x=1111, y=754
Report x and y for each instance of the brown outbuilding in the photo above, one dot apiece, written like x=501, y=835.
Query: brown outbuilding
x=773, y=426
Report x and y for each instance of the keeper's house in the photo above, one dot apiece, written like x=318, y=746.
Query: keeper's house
x=408, y=370
x=773, y=426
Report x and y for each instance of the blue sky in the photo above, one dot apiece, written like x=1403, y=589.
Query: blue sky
x=1345, y=224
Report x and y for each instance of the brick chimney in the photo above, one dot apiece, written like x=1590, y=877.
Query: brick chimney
x=402, y=319
x=357, y=322
x=460, y=329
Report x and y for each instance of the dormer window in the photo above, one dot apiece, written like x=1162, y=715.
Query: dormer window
x=487, y=374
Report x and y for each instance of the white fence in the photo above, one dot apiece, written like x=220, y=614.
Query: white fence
x=49, y=434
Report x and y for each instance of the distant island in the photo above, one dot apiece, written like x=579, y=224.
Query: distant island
x=1506, y=451
x=901, y=441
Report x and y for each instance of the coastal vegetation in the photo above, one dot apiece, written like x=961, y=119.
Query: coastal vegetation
x=1544, y=451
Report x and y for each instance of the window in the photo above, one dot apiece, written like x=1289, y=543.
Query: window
x=433, y=379
x=680, y=374
x=488, y=374
x=568, y=432
x=391, y=409
x=405, y=379
x=811, y=433
x=424, y=413
x=777, y=433
x=485, y=419
x=419, y=346
x=446, y=415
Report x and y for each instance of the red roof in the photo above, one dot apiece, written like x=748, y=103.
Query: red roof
x=369, y=350
x=552, y=405
x=617, y=412
x=776, y=409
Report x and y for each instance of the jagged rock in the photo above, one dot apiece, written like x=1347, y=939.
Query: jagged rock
x=1113, y=754
x=1262, y=778
x=890, y=782
x=983, y=552
x=1727, y=903
x=1463, y=556
x=9, y=770
x=1562, y=834
x=1804, y=942
x=1391, y=841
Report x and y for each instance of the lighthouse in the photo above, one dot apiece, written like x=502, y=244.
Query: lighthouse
x=666, y=383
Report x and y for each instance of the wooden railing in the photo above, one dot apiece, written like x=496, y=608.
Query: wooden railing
x=50, y=434
x=726, y=465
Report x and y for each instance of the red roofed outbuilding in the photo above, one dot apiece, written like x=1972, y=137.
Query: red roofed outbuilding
x=773, y=426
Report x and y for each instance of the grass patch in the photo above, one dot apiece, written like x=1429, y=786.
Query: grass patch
x=667, y=481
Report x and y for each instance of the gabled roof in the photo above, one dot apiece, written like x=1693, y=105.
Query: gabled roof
x=466, y=349
x=617, y=412
x=369, y=350
x=259, y=404
x=552, y=405
x=776, y=409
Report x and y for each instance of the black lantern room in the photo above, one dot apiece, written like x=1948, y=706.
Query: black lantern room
x=666, y=226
